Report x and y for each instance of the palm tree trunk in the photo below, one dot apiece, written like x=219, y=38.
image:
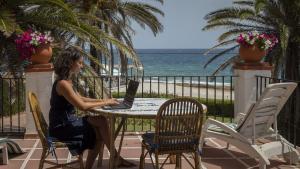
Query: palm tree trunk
x=124, y=63
x=112, y=60
x=93, y=52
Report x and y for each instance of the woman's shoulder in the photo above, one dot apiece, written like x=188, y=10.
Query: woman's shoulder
x=64, y=84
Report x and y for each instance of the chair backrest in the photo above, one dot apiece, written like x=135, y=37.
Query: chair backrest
x=39, y=120
x=178, y=125
x=263, y=114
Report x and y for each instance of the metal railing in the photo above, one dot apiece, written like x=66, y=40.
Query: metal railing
x=216, y=92
x=289, y=117
x=12, y=106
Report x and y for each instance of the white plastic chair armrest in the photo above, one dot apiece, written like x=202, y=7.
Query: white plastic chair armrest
x=221, y=125
x=226, y=129
x=240, y=117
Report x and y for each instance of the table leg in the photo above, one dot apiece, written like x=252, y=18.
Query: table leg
x=178, y=161
x=122, y=124
x=172, y=159
x=112, y=120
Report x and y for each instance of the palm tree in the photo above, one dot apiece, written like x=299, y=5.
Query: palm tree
x=65, y=23
x=119, y=14
x=273, y=16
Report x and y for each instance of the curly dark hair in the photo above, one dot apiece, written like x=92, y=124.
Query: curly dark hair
x=64, y=62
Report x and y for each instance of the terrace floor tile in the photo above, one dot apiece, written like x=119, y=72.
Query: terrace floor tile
x=215, y=156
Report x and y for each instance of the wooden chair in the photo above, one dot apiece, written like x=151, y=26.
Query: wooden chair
x=49, y=144
x=178, y=129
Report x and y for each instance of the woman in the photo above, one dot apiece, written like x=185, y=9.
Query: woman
x=78, y=133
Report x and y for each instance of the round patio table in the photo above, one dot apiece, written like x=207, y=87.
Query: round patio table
x=141, y=108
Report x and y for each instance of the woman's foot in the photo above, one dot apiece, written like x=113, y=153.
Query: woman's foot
x=124, y=163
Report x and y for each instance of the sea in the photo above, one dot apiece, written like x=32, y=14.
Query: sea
x=181, y=62
x=178, y=62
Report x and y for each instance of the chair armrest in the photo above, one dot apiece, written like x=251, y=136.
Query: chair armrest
x=226, y=128
x=240, y=117
x=219, y=124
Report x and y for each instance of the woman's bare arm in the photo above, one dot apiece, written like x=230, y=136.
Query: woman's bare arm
x=65, y=89
x=87, y=99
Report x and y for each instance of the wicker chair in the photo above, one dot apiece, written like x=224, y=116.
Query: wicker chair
x=49, y=144
x=178, y=129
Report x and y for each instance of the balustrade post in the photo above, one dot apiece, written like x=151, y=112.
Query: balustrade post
x=39, y=79
x=245, y=84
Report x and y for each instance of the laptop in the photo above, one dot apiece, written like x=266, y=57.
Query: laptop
x=128, y=99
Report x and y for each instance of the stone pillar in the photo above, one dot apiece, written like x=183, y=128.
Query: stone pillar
x=39, y=79
x=245, y=85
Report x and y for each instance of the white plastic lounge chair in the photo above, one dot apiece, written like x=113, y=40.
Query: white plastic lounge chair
x=8, y=146
x=259, y=122
x=3, y=148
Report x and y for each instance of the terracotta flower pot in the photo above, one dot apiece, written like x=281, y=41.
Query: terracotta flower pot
x=251, y=54
x=42, y=54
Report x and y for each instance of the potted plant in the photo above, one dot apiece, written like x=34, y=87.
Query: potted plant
x=34, y=47
x=254, y=46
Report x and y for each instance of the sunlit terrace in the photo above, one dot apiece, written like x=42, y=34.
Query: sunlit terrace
x=219, y=100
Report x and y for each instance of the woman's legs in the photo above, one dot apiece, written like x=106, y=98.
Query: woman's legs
x=92, y=154
x=101, y=124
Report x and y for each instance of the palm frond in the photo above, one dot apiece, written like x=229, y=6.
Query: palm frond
x=225, y=43
x=230, y=24
x=234, y=32
x=144, y=15
x=230, y=13
x=219, y=55
x=224, y=65
x=8, y=23
x=259, y=5
x=52, y=3
x=248, y=3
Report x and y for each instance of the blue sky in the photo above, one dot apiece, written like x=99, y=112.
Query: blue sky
x=183, y=23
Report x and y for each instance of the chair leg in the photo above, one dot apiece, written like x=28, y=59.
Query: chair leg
x=43, y=157
x=4, y=153
x=197, y=160
x=80, y=158
x=142, y=158
x=291, y=157
x=100, y=155
x=156, y=161
x=262, y=165
x=178, y=161
x=227, y=146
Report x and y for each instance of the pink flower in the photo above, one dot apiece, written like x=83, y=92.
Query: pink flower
x=264, y=41
x=28, y=41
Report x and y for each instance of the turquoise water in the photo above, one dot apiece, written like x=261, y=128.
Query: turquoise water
x=181, y=62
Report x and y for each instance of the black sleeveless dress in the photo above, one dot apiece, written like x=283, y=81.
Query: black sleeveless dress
x=65, y=126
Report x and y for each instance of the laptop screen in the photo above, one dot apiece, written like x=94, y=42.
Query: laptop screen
x=130, y=92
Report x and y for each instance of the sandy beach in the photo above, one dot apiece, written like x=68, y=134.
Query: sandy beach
x=185, y=90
